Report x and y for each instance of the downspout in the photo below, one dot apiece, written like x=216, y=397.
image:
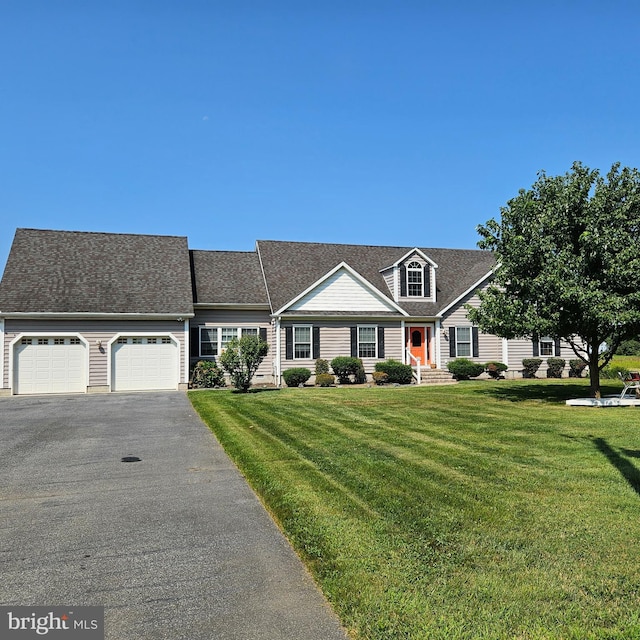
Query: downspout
x=403, y=341
x=2, y=353
x=187, y=351
x=277, y=366
x=438, y=345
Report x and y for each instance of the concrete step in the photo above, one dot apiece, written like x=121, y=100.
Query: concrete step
x=436, y=376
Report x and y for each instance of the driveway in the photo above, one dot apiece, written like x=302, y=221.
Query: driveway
x=174, y=545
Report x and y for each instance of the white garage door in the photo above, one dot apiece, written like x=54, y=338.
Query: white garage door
x=50, y=365
x=140, y=364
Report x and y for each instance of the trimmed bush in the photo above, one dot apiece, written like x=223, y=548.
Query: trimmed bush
x=322, y=366
x=325, y=379
x=296, y=376
x=495, y=369
x=555, y=367
x=463, y=368
x=397, y=372
x=207, y=375
x=576, y=367
x=380, y=377
x=530, y=367
x=344, y=367
x=360, y=377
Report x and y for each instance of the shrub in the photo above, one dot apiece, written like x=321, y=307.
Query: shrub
x=380, y=377
x=397, y=372
x=325, y=379
x=495, y=369
x=463, y=368
x=207, y=375
x=322, y=366
x=530, y=366
x=360, y=377
x=628, y=348
x=611, y=372
x=241, y=359
x=576, y=367
x=555, y=367
x=296, y=376
x=344, y=367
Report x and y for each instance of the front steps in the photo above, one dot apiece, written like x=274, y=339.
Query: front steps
x=436, y=376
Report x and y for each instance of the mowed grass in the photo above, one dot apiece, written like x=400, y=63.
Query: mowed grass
x=480, y=510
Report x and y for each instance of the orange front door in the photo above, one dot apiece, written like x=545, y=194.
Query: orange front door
x=417, y=343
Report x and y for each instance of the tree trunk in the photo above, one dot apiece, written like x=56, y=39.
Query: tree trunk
x=594, y=373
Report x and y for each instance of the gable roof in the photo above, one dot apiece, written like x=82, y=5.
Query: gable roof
x=370, y=298
x=292, y=267
x=87, y=272
x=228, y=277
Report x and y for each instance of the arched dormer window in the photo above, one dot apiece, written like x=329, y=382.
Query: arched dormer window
x=415, y=279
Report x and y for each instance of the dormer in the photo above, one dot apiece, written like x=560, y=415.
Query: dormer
x=412, y=278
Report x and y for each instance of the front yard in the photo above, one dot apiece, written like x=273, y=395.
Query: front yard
x=481, y=510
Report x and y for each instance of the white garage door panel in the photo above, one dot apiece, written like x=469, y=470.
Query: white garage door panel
x=50, y=365
x=141, y=364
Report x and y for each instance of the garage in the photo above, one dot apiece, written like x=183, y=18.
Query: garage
x=50, y=364
x=144, y=363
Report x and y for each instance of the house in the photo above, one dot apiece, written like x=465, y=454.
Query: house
x=99, y=312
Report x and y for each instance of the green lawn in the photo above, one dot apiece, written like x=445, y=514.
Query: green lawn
x=480, y=510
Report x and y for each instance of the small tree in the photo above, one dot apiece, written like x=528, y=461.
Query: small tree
x=241, y=359
x=568, y=264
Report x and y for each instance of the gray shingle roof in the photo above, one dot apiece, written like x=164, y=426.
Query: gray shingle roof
x=228, y=277
x=292, y=267
x=86, y=272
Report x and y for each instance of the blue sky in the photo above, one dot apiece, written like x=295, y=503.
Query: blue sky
x=377, y=122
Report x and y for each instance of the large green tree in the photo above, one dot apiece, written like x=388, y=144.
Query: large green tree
x=568, y=263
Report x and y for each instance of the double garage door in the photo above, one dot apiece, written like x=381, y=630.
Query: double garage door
x=59, y=364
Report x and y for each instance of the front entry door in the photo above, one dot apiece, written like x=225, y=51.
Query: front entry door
x=417, y=342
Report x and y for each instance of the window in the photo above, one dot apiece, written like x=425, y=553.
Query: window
x=152, y=341
x=213, y=340
x=301, y=342
x=74, y=340
x=58, y=341
x=367, y=342
x=122, y=341
x=463, y=342
x=26, y=341
x=136, y=340
x=414, y=279
x=43, y=340
x=208, y=341
x=227, y=334
x=166, y=340
x=546, y=347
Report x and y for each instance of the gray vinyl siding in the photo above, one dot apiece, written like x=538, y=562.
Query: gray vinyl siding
x=489, y=346
x=92, y=331
x=335, y=341
x=523, y=348
x=239, y=318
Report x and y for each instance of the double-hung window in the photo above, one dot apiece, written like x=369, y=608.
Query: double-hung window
x=301, y=342
x=415, y=284
x=367, y=342
x=546, y=346
x=208, y=341
x=463, y=342
x=213, y=340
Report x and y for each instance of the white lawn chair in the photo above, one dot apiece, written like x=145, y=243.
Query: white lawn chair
x=630, y=381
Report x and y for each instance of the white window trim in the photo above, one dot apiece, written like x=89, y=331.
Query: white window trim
x=375, y=339
x=219, y=328
x=310, y=343
x=415, y=270
x=469, y=342
x=547, y=340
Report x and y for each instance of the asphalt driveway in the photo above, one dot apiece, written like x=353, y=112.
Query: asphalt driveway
x=174, y=545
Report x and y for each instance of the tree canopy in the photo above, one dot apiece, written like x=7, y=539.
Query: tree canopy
x=568, y=263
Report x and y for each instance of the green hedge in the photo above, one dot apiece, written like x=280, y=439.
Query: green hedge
x=296, y=376
x=207, y=375
x=397, y=373
x=463, y=368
